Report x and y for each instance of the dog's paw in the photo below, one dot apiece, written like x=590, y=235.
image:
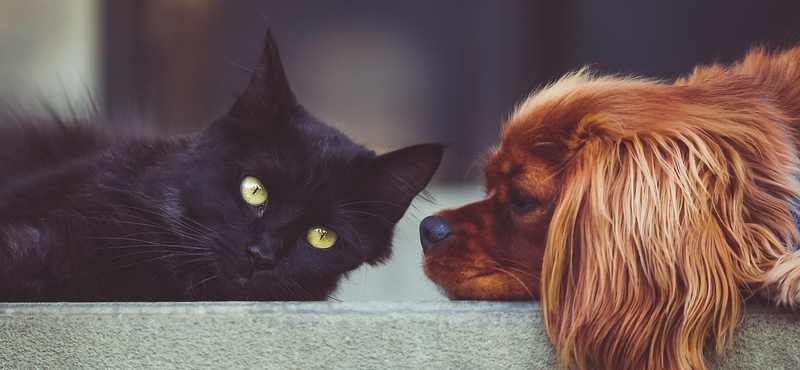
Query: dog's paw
x=782, y=283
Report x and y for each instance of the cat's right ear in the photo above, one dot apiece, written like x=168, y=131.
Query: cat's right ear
x=268, y=94
x=397, y=177
x=393, y=180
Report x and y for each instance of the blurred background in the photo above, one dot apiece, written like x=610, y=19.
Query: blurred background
x=387, y=73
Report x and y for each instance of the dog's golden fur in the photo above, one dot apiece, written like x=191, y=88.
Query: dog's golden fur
x=642, y=214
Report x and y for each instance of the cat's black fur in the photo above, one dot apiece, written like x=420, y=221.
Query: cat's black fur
x=88, y=216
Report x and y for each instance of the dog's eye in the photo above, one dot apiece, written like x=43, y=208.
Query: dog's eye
x=521, y=202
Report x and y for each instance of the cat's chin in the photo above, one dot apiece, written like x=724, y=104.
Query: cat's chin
x=255, y=283
x=243, y=281
x=246, y=282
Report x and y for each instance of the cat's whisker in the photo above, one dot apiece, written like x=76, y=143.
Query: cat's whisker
x=186, y=221
x=128, y=237
x=245, y=68
x=166, y=215
x=371, y=215
x=151, y=247
x=145, y=242
x=166, y=247
x=206, y=262
x=170, y=267
x=301, y=288
x=371, y=202
x=108, y=245
x=399, y=231
x=203, y=281
x=166, y=253
x=347, y=199
x=360, y=243
x=402, y=181
x=260, y=11
x=112, y=238
x=124, y=222
x=120, y=267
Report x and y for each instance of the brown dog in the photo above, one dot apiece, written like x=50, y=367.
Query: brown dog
x=642, y=214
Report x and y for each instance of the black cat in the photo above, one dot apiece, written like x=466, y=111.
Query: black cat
x=266, y=203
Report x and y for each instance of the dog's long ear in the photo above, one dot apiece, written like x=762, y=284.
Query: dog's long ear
x=650, y=243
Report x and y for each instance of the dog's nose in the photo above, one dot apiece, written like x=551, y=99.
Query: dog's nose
x=433, y=231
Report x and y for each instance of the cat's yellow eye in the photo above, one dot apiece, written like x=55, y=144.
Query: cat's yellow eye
x=253, y=191
x=320, y=237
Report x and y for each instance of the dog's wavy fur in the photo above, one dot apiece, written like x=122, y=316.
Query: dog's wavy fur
x=668, y=206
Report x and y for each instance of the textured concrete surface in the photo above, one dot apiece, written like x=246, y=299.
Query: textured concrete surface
x=323, y=335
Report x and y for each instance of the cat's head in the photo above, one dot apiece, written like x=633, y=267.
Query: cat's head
x=287, y=205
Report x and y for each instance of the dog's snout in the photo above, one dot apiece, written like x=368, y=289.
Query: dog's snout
x=433, y=231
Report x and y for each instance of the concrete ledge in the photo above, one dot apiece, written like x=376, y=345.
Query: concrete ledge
x=323, y=335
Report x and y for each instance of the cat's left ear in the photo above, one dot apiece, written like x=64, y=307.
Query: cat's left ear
x=395, y=178
x=268, y=94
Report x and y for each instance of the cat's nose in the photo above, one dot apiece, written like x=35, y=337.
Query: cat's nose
x=260, y=259
x=433, y=233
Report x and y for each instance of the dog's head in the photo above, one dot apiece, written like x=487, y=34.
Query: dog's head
x=637, y=211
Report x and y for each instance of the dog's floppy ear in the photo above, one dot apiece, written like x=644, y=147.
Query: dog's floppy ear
x=648, y=245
